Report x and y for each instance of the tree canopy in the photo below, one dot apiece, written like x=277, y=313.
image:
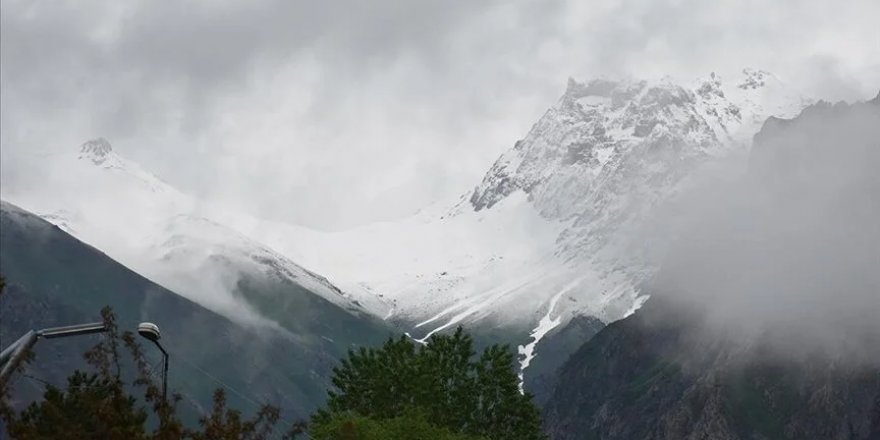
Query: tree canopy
x=412, y=425
x=444, y=381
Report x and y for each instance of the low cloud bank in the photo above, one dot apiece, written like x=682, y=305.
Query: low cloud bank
x=789, y=253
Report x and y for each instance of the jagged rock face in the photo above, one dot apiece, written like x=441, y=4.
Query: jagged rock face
x=609, y=151
x=594, y=130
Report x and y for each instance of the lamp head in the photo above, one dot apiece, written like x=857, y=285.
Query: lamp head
x=149, y=331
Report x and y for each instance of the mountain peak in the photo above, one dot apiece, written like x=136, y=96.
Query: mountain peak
x=711, y=86
x=97, y=150
x=754, y=78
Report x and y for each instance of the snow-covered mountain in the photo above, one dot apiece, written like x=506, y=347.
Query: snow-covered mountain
x=560, y=226
x=115, y=205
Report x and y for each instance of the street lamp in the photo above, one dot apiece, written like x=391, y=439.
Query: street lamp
x=14, y=354
x=151, y=331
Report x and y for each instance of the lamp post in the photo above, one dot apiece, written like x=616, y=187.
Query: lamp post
x=151, y=332
x=14, y=353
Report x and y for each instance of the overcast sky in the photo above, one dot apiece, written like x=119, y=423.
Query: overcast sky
x=337, y=113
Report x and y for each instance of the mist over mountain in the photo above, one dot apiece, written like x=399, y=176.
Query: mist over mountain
x=792, y=248
x=666, y=211
x=762, y=321
x=560, y=227
x=118, y=206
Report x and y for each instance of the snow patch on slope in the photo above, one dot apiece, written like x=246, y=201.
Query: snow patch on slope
x=545, y=325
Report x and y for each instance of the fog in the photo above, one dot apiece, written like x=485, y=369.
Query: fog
x=788, y=253
x=335, y=114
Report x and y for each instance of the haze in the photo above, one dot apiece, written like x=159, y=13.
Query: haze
x=791, y=249
x=342, y=113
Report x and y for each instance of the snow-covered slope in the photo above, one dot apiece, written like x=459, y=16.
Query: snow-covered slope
x=115, y=205
x=427, y=271
x=560, y=225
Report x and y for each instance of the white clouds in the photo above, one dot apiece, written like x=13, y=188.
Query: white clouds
x=323, y=112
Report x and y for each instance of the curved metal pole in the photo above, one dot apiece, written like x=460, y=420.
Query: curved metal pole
x=14, y=354
x=8, y=351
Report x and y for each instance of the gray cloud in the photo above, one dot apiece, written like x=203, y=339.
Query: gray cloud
x=791, y=251
x=337, y=113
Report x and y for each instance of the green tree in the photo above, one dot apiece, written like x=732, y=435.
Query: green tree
x=412, y=425
x=444, y=380
x=101, y=412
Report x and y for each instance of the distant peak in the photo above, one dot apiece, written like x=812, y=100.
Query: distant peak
x=711, y=86
x=97, y=150
x=754, y=78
